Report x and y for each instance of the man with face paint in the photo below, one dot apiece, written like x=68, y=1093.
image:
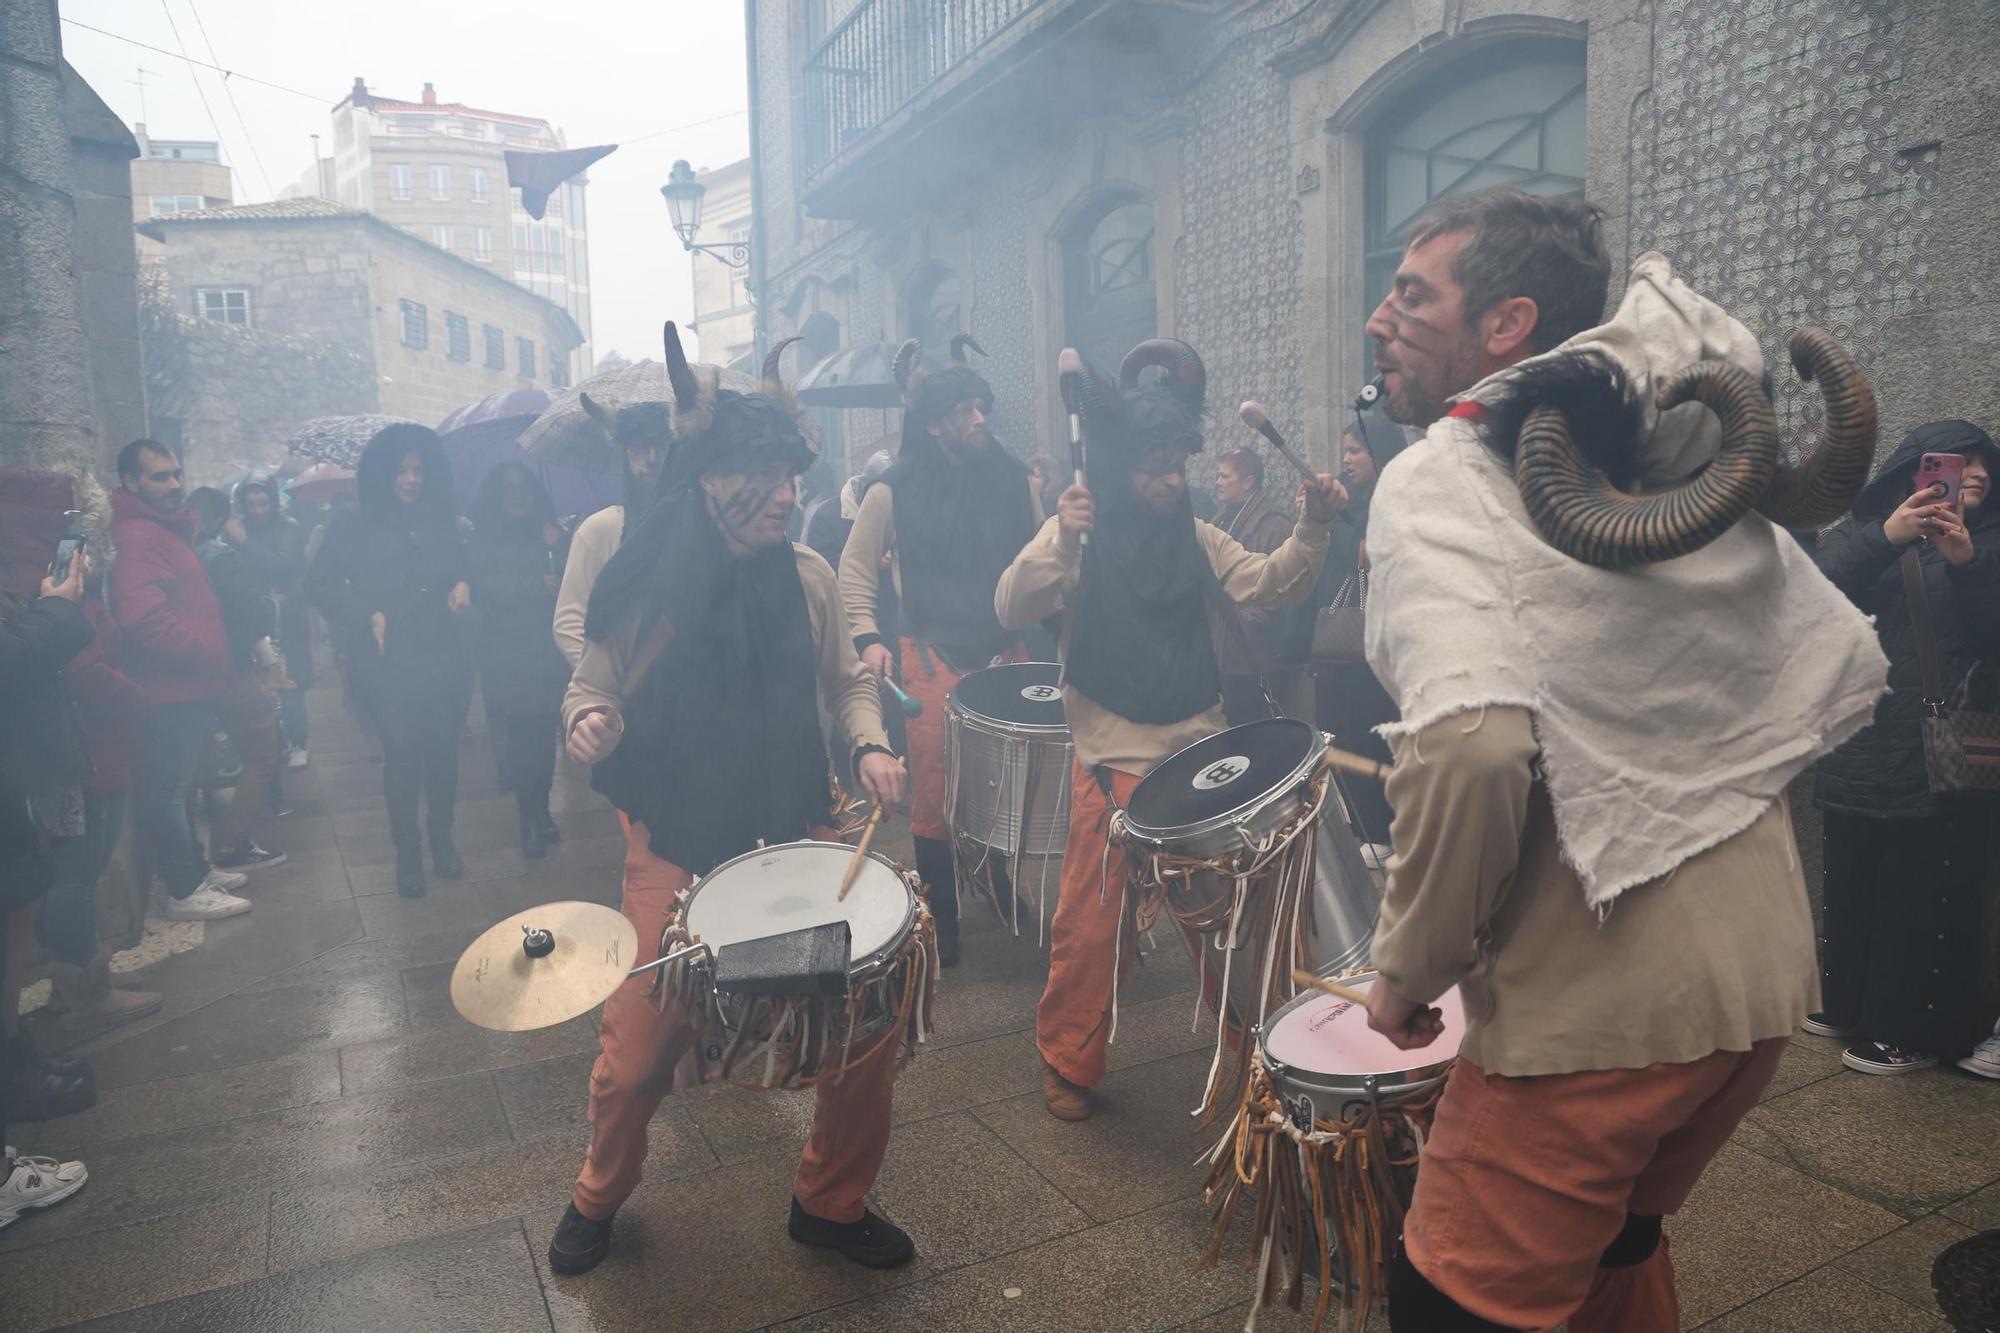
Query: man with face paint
x=640, y=431
x=712, y=643
x=955, y=509
x=1147, y=601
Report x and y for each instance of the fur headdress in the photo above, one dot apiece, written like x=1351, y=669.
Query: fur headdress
x=1143, y=414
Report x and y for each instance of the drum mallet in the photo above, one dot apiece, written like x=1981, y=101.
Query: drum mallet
x=1359, y=766
x=1257, y=419
x=860, y=853
x=911, y=707
x=1424, y=1020
x=1069, y=378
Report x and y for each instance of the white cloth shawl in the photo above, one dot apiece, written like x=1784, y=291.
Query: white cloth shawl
x=1673, y=702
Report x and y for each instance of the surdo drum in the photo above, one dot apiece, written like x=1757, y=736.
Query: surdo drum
x=796, y=1040
x=1230, y=840
x=1326, y=1146
x=1007, y=771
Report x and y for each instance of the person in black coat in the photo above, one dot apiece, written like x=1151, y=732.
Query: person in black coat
x=1904, y=866
x=517, y=553
x=390, y=578
x=274, y=545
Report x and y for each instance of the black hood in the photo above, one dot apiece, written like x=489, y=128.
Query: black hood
x=375, y=475
x=1891, y=486
x=258, y=482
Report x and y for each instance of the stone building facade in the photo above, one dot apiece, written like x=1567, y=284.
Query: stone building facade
x=1079, y=170
x=431, y=331
x=724, y=317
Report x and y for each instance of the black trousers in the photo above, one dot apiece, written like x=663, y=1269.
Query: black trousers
x=527, y=744
x=1901, y=947
x=420, y=761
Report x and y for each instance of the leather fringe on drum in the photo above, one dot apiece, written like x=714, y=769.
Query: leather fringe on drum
x=1262, y=893
x=1326, y=1195
x=798, y=1041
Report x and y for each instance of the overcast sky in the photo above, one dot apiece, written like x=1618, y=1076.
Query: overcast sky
x=603, y=71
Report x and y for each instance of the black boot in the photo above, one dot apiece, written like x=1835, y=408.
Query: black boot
x=546, y=822
x=580, y=1242
x=533, y=847
x=409, y=870
x=934, y=868
x=41, y=1089
x=444, y=856
x=872, y=1242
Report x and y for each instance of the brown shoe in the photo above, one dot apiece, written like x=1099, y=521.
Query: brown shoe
x=1065, y=1100
x=86, y=995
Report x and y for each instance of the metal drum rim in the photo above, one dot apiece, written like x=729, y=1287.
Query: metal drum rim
x=973, y=720
x=1289, y=1078
x=1166, y=835
x=856, y=966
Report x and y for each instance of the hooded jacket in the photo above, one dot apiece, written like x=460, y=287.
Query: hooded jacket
x=37, y=640
x=175, y=647
x=1880, y=773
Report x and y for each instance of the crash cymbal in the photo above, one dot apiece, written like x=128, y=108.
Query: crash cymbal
x=543, y=966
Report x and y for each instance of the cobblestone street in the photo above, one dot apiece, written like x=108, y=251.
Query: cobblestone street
x=308, y=1137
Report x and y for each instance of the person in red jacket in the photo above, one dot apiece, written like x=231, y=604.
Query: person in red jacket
x=178, y=655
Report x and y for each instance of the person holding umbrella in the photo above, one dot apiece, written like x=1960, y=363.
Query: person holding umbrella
x=390, y=578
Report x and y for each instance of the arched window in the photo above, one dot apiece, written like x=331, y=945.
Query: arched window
x=1109, y=298
x=1505, y=114
x=934, y=308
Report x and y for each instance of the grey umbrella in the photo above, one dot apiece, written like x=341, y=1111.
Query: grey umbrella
x=859, y=376
x=568, y=435
x=338, y=440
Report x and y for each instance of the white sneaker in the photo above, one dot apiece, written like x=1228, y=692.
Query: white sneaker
x=206, y=903
x=36, y=1182
x=1985, y=1058
x=223, y=881
x=296, y=757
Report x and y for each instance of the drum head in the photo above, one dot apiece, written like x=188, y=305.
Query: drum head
x=792, y=887
x=1329, y=1040
x=1021, y=694
x=1229, y=771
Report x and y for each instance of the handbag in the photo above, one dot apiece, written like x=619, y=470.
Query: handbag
x=1339, y=629
x=1961, y=731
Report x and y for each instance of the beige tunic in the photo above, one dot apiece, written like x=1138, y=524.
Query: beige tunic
x=1043, y=576
x=591, y=547
x=846, y=688
x=874, y=532
x=1712, y=957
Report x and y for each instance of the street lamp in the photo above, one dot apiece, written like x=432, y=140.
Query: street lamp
x=683, y=193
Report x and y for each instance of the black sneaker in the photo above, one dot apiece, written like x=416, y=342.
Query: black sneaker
x=248, y=857
x=409, y=872
x=546, y=824
x=580, y=1243
x=444, y=857
x=1875, y=1057
x=1821, y=1025
x=532, y=846
x=873, y=1242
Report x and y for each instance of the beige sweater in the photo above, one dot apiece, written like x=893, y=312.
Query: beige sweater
x=591, y=547
x=846, y=688
x=1043, y=576
x=1712, y=957
x=873, y=533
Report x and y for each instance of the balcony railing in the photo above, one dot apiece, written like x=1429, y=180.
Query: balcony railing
x=886, y=53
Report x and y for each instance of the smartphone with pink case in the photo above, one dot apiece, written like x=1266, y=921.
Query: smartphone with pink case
x=1945, y=469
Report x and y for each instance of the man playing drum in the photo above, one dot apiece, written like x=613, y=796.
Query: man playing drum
x=954, y=510
x=1144, y=600
x=1606, y=673
x=712, y=639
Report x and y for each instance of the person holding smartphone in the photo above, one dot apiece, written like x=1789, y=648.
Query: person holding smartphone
x=1903, y=866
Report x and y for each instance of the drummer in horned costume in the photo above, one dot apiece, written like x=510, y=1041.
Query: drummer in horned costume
x=1146, y=600
x=712, y=642
x=954, y=510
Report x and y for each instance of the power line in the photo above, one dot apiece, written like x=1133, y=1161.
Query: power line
x=212, y=122
x=161, y=50
x=230, y=93
x=691, y=125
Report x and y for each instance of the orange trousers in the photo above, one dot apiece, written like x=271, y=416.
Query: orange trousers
x=1525, y=1181
x=640, y=1046
x=926, y=677
x=1073, y=1022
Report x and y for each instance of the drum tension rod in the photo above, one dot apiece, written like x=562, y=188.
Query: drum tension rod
x=668, y=958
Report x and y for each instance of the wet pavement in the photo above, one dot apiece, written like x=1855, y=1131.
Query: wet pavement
x=307, y=1137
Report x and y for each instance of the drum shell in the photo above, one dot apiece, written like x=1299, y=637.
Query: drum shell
x=1311, y=1095
x=1007, y=784
x=1238, y=830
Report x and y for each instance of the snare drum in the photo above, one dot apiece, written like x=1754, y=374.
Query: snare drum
x=1332, y=1126
x=1007, y=759
x=786, y=1041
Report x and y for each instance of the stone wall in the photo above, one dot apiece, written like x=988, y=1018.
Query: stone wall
x=107, y=280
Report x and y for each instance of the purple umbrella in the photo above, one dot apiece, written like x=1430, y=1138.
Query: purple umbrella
x=485, y=434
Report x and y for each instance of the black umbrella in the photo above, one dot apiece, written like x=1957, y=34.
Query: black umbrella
x=338, y=440
x=860, y=376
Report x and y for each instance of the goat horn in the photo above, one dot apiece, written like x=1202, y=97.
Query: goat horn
x=1586, y=517
x=1181, y=362
x=680, y=375
x=961, y=341
x=908, y=357
x=771, y=380
x=1825, y=486
x=1083, y=390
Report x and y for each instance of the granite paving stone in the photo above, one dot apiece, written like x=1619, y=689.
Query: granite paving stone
x=1979, y=1210
x=281, y=936
x=475, y=1281
x=548, y=1097
x=1827, y=1299
x=951, y=1078
x=82, y=1277
x=1900, y=1262
x=373, y=957
x=952, y=1182
x=445, y=1052
x=446, y=904
x=166, y=1105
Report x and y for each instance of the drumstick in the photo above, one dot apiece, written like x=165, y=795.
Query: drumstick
x=1069, y=380
x=1425, y=1019
x=1360, y=766
x=860, y=851
x=1257, y=419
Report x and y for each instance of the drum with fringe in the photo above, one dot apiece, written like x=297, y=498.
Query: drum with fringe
x=1007, y=774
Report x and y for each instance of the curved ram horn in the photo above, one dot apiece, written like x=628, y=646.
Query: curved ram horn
x=904, y=365
x=680, y=375
x=1084, y=392
x=597, y=412
x=771, y=379
x=1825, y=486
x=1587, y=518
x=961, y=341
x=1185, y=374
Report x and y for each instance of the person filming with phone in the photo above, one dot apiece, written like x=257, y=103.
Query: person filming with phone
x=1904, y=864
